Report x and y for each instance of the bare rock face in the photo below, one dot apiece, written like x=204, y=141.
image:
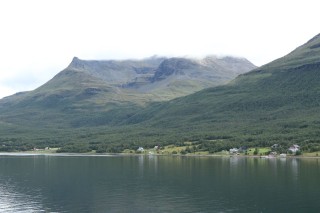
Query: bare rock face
x=158, y=73
x=174, y=66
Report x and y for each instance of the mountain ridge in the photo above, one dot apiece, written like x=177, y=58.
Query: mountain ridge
x=139, y=77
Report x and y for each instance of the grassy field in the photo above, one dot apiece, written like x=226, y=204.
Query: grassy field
x=311, y=154
x=261, y=150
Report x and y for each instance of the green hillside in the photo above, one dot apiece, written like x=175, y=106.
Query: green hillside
x=277, y=103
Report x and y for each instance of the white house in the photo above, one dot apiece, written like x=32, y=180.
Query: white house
x=141, y=149
x=233, y=151
x=294, y=148
x=282, y=155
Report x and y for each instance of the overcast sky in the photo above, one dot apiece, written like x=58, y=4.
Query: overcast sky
x=39, y=38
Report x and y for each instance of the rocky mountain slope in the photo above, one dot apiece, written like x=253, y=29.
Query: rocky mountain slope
x=138, y=81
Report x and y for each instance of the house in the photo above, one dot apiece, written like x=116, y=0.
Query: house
x=234, y=151
x=294, y=148
x=275, y=146
x=282, y=155
x=140, y=149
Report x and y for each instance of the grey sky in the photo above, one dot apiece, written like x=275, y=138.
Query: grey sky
x=39, y=37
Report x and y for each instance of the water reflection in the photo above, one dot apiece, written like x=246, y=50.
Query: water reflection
x=294, y=168
x=141, y=164
x=234, y=161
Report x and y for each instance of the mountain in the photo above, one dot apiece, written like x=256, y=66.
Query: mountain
x=93, y=94
x=276, y=103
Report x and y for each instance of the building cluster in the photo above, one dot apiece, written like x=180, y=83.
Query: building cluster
x=292, y=149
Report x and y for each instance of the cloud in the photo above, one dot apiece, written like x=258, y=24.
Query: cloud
x=39, y=38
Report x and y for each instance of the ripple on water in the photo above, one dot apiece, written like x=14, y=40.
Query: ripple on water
x=14, y=201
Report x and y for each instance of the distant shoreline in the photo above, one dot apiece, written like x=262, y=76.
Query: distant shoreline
x=133, y=154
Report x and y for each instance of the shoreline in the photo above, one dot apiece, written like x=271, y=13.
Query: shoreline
x=133, y=154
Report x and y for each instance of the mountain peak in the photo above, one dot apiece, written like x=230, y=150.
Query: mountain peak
x=75, y=59
x=75, y=63
x=317, y=37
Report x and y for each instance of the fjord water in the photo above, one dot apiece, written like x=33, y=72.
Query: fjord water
x=46, y=183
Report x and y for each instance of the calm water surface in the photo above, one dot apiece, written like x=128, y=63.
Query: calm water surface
x=158, y=184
